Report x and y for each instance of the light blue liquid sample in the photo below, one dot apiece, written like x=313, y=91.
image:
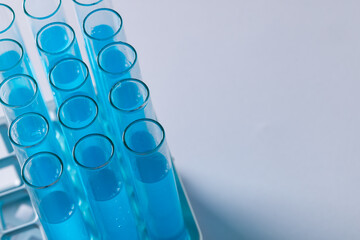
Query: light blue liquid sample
x=158, y=193
x=9, y=59
x=131, y=100
x=20, y=94
x=111, y=206
x=99, y=32
x=62, y=218
x=70, y=77
x=13, y=59
x=57, y=41
x=116, y=61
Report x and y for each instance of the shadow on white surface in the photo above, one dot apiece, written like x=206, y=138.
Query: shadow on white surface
x=213, y=225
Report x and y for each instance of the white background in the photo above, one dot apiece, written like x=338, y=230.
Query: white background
x=260, y=102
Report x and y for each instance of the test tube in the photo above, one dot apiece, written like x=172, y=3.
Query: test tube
x=54, y=197
x=70, y=77
x=13, y=57
x=116, y=61
x=101, y=172
x=42, y=12
x=150, y=158
x=131, y=100
x=101, y=27
x=7, y=17
x=77, y=116
x=20, y=94
x=28, y=132
x=56, y=41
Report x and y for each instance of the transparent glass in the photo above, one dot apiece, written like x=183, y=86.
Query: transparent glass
x=13, y=59
x=150, y=159
x=78, y=116
x=55, y=199
x=7, y=17
x=31, y=133
x=8, y=26
x=131, y=100
x=116, y=61
x=101, y=27
x=40, y=9
x=20, y=94
x=55, y=42
x=70, y=77
x=101, y=173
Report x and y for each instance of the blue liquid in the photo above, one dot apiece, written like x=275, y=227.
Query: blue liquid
x=99, y=32
x=57, y=45
x=163, y=211
x=61, y=217
x=155, y=178
x=20, y=96
x=9, y=59
x=54, y=39
x=111, y=205
x=115, y=62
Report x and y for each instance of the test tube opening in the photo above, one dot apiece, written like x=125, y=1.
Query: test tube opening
x=102, y=24
x=42, y=170
x=7, y=17
x=69, y=74
x=94, y=151
x=28, y=130
x=18, y=91
x=40, y=9
x=144, y=136
x=87, y=2
x=78, y=112
x=11, y=54
x=129, y=95
x=117, y=58
x=55, y=38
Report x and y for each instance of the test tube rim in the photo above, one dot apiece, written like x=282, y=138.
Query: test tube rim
x=32, y=98
x=104, y=164
x=70, y=89
x=49, y=185
x=144, y=120
x=71, y=98
x=87, y=5
x=97, y=10
x=17, y=119
x=146, y=101
x=113, y=44
x=41, y=18
x=13, y=19
x=22, y=52
x=55, y=23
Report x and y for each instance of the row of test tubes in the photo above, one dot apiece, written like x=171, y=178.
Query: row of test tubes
x=98, y=167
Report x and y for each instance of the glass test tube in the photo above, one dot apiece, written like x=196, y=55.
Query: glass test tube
x=70, y=77
x=20, y=94
x=56, y=41
x=101, y=172
x=146, y=148
x=101, y=27
x=116, y=61
x=43, y=12
x=27, y=134
x=131, y=100
x=54, y=197
x=13, y=57
x=78, y=116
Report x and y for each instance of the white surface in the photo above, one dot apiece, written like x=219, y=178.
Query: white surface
x=259, y=100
